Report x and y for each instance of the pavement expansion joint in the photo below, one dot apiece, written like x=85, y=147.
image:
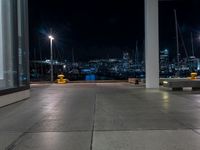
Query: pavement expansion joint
x=15, y=142
x=72, y=131
x=93, y=124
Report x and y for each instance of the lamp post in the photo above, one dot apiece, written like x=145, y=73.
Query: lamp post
x=51, y=53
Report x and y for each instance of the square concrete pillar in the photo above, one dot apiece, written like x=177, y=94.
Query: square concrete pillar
x=1, y=44
x=151, y=44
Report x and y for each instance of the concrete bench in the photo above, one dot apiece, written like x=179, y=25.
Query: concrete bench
x=179, y=84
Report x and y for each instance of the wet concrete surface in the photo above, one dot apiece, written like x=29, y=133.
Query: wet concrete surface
x=102, y=116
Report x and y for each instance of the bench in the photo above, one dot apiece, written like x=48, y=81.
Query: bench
x=179, y=84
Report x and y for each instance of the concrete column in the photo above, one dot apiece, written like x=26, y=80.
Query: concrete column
x=151, y=44
x=1, y=45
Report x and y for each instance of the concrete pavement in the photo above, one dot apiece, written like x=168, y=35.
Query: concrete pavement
x=101, y=116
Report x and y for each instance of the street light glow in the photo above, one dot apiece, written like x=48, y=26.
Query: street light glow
x=51, y=37
x=51, y=55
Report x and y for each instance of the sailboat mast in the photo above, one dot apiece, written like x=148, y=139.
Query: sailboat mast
x=73, y=60
x=177, y=38
x=192, y=43
x=136, y=53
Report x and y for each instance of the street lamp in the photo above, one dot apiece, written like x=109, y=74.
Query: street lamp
x=51, y=51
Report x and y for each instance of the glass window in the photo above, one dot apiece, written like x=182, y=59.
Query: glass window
x=22, y=42
x=13, y=47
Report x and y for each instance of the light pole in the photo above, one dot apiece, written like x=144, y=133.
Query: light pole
x=51, y=53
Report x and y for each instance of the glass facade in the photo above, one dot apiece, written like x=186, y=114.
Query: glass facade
x=13, y=44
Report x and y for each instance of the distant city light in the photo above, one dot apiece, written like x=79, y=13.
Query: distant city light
x=48, y=60
x=165, y=82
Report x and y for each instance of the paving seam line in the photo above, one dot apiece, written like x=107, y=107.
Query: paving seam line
x=93, y=123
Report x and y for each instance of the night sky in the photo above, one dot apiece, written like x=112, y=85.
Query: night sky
x=105, y=28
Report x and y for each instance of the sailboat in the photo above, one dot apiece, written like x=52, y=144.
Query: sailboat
x=192, y=63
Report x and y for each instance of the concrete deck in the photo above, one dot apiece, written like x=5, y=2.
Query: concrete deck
x=102, y=116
